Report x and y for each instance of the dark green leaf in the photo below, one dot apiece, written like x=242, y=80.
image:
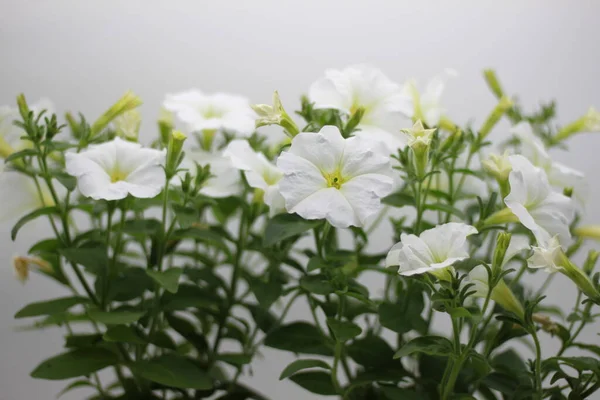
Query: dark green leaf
x=20, y=154
x=168, y=279
x=432, y=345
x=284, y=226
x=299, y=365
x=343, y=330
x=399, y=200
x=298, y=337
x=186, y=216
x=30, y=217
x=315, y=263
x=316, y=284
x=83, y=340
x=94, y=259
x=142, y=226
x=124, y=334
x=50, y=307
x=75, y=385
x=315, y=382
x=371, y=351
x=115, y=317
x=396, y=393
x=264, y=319
x=446, y=208
x=173, y=371
x=75, y=363
x=266, y=292
x=68, y=181
x=235, y=359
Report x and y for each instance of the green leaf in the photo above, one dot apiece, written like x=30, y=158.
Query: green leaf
x=235, y=359
x=93, y=259
x=263, y=318
x=75, y=385
x=315, y=382
x=75, y=363
x=168, y=279
x=201, y=235
x=123, y=334
x=299, y=365
x=396, y=393
x=20, y=154
x=284, y=226
x=173, y=371
x=50, y=307
x=68, y=181
x=371, y=352
x=141, y=226
x=115, y=317
x=317, y=284
x=394, y=317
x=82, y=340
x=431, y=345
x=399, y=200
x=315, y=263
x=30, y=217
x=343, y=330
x=190, y=296
x=458, y=312
x=186, y=216
x=299, y=337
x=266, y=292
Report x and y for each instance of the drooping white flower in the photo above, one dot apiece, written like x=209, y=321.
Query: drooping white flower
x=362, y=86
x=431, y=251
x=425, y=105
x=545, y=212
x=341, y=180
x=224, y=180
x=116, y=169
x=546, y=256
x=559, y=175
x=260, y=173
x=212, y=112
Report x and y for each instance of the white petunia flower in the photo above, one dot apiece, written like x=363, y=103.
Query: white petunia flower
x=425, y=105
x=545, y=212
x=559, y=175
x=341, y=180
x=259, y=172
x=362, y=86
x=432, y=251
x=113, y=170
x=212, y=112
x=547, y=256
x=225, y=180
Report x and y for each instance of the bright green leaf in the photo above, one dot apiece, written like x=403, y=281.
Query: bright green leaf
x=168, y=279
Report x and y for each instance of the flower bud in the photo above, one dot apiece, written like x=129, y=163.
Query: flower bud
x=447, y=125
x=499, y=167
x=501, y=293
x=165, y=125
x=354, y=120
x=419, y=140
x=275, y=115
x=128, y=124
x=5, y=148
x=22, y=105
x=493, y=83
x=502, y=243
x=127, y=102
x=503, y=216
x=588, y=231
x=174, y=152
x=503, y=105
x=590, y=122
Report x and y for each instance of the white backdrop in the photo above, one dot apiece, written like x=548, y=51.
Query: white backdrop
x=84, y=54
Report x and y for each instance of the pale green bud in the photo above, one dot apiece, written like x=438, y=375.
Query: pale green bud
x=503, y=105
x=127, y=102
x=590, y=122
x=419, y=140
x=588, y=231
x=493, y=83
x=127, y=125
x=500, y=168
x=275, y=115
x=174, y=152
x=502, y=243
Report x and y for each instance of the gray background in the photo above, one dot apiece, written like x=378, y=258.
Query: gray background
x=84, y=54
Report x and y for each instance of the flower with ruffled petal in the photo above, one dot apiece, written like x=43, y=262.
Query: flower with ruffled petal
x=116, y=169
x=432, y=251
x=224, y=182
x=559, y=175
x=531, y=199
x=212, y=112
x=260, y=173
x=341, y=180
x=425, y=105
x=367, y=88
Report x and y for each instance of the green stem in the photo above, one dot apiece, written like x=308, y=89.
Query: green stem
x=538, y=364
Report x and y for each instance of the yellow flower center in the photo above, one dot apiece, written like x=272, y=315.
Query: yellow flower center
x=334, y=179
x=117, y=176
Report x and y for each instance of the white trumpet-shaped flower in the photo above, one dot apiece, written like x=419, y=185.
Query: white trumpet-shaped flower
x=212, y=112
x=559, y=175
x=425, y=105
x=431, y=251
x=260, y=173
x=362, y=86
x=545, y=212
x=223, y=182
x=116, y=169
x=341, y=180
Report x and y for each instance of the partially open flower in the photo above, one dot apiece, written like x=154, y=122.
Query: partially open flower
x=501, y=293
x=341, y=180
x=116, y=169
x=275, y=115
x=223, y=182
x=433, y=251
x=425, y=105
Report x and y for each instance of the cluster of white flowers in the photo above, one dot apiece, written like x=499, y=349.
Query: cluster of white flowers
x=324, y=175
